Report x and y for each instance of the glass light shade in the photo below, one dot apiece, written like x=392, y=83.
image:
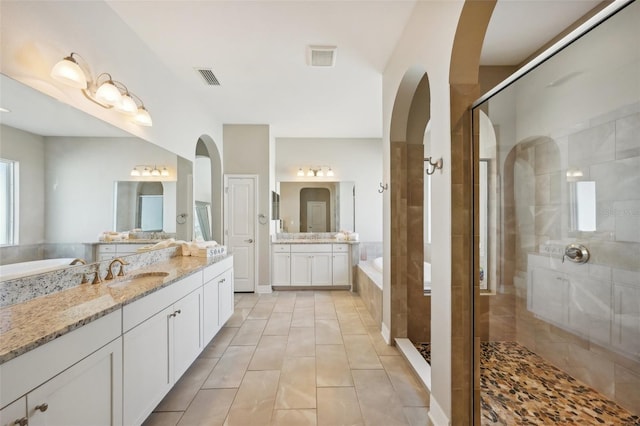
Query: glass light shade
x=320, y=173
x=108, y=93
x=329, y=172
x=300, y=172
x=164, y=172
x=135, y=172
x=142, y=117
x=68, y=71
x=146, y=172
x=310, y=173
x=127, y=105
x=155, y=172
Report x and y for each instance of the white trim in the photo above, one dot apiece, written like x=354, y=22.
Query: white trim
x=264, y=289
x=556, y=47
x=386, y=334
x=419, y=365
x=436, y=415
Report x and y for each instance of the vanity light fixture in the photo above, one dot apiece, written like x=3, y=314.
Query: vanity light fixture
x=316, y=171
x=147, y=171
x=104, y=90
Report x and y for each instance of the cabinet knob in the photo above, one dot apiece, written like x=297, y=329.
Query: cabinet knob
x=21, y=422
x=42, y=407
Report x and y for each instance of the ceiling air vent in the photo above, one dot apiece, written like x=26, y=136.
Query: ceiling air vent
x=208, y=76
x=321, y=56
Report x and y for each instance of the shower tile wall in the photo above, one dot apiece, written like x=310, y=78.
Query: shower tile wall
x=596, y=336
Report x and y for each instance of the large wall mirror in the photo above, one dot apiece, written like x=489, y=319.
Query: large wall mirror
x=145, y=205
x=317, y=206
x=67, y=163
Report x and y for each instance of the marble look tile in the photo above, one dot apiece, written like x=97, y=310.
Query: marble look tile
x=303, y=317
x=230, y=369
x=180, y=396
x=407, y=387
x=278, y=324
x=325, y=310
x=350, y=323
x=332, y=366
x=261, y=311
x=209, y=407
x=249, y=333
x=379, y=403
x=361, y=353
x=328, y=332
x=628, y=136
x=417, y=416
x=591, y=146
x=253, y=404
x=219, y=344
x=305, y=417
x=301, y=342
x=163, y=419
x=238, y=317
x=379, y=344
x=338, y=407
x=269, y=353
x=297, y=387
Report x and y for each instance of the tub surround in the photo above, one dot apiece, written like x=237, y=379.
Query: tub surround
x=55, y=304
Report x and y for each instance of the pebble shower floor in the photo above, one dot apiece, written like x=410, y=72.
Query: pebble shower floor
x=520, y=388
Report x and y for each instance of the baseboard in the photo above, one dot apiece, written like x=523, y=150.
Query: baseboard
x=264, y=289
x=420, y=366
x=386, y=334
x=437, y=417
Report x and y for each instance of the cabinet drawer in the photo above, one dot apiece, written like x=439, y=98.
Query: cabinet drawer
x=281, y=248
x=217, y=268
x=340, y=248
x=107, y=248
x=310, y=248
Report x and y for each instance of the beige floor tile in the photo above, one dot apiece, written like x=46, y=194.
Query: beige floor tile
x=367, y=319
x=261, y=311
x=350, y=323
x=338, y=407
x=238, y=317
x=325, y=310
x=247, y=301
x=305, y=417
x=285, y=305
x=255, y=399
x=209, y=407
x=407, y=387
x=297, y=387
x=230, y=369
x=379, y=344
x=417, y=416
x=301, y=342
x=303, y=301
x=163, y=419
x=185, y=389
x=328, y=332
x=269, y=353
x=278, y=324
x=379, y=403
x=361, y=353
x=332, y=366
x=303, y=316
x=219, y=344
x=249, y=333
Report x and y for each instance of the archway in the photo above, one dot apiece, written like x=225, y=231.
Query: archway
x=208, y=189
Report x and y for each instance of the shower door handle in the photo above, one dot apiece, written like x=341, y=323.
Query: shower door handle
x=577, y=253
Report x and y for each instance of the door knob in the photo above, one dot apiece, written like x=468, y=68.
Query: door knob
x=250, y=240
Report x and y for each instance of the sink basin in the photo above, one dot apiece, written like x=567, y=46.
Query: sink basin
x=147, y=276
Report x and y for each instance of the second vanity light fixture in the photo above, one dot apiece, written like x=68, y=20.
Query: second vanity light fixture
x=104, y=90
x=145, y=171
x=316, y=171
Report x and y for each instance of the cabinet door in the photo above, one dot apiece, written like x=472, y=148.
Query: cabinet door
x=225, y=294
x=301, y=268
x=210, y=308
x=321, y=270
x=281, y=269
x=14, y=414
x=88, y=393
x=341, y=269
x=146, y=366
x=186, y=342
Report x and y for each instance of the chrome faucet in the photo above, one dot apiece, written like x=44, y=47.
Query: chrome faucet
x=110, y=275
x=78, y=260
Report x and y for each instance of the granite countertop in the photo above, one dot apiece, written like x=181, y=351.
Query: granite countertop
x=313, y=241
x=25, y=326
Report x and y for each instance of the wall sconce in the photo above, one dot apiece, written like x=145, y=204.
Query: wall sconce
x=104, y=91
x=316, y=171
x=146, y=171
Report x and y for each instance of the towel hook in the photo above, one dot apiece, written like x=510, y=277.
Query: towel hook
x=434, y=165
x=383, y=187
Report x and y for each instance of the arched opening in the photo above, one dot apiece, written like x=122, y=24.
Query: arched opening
x=207, y=191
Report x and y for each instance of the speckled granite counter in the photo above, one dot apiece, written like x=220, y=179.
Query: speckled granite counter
x=313, y=241
x=27, y=325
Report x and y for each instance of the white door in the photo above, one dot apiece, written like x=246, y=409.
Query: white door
x=240, y=228
x=316, y=216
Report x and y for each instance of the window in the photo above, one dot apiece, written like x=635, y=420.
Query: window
x=8, y=202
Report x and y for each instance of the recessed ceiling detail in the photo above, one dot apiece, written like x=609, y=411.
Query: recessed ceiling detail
x=321, y=56
x=208, y=76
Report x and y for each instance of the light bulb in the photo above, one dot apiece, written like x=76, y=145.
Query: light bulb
x=68, y=71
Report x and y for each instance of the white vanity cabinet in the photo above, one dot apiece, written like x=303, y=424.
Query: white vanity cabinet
x=161, y=339
x=73, y=380
x=281, y=265
x=218, y=298
x=341, y=264
x=311, y=264
x=106, y=251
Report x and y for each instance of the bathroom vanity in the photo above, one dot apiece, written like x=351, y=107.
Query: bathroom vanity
x=317, y=263
x=108, y=353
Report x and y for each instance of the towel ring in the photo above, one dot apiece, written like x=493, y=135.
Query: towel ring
x=181, y=219
x=262, y=219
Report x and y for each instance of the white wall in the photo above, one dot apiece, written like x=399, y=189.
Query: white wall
x=28, y=149
x=427, y=42
x=80, y=175
x=357, y=160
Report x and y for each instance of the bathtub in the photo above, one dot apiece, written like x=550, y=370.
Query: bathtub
x=373, y=268
x=23, y=269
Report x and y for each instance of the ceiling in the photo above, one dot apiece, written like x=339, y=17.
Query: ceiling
x=257, y=50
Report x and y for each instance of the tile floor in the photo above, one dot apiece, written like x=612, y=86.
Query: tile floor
x=297, y=358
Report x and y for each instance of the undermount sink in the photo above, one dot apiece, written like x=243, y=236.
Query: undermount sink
x=128, y=279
